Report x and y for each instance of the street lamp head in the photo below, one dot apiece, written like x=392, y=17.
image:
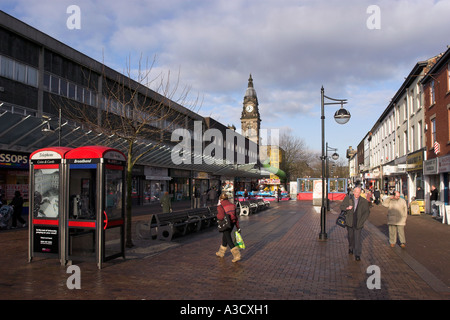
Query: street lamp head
x=342, y=116
x=47, y=128
x=335, y=156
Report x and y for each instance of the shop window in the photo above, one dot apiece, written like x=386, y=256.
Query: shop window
x=432, y=93
x=433, y=131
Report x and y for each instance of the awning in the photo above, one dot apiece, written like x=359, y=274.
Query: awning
x=24, y=133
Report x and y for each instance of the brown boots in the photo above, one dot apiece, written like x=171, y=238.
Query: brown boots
x=235, y=251
x=221, y=251
x=236, y=254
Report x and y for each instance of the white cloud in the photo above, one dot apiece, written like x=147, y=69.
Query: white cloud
x=291, y=47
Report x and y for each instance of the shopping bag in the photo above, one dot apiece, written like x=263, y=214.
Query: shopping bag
x=239, y=241
x=340, y=221
x=224, y=224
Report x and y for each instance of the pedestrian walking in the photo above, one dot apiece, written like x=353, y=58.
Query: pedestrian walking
x=396, y=218
x=376, y=195
x=357, y=212
x=226, y=207
x=166, y=204
x=434, y=196
x=17, y=204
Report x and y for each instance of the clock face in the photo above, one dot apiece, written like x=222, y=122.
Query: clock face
x=249, y=108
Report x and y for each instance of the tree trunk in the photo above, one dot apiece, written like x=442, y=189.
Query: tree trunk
x=129, y=240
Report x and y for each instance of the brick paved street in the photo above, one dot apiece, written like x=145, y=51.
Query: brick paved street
x=284, y=260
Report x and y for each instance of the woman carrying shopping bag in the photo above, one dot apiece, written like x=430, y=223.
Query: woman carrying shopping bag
x=226, y=207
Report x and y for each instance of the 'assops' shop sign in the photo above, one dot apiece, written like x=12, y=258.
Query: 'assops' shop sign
x=14, y=160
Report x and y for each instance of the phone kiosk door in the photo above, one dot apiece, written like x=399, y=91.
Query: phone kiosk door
x=46, y=224
x=95, y=215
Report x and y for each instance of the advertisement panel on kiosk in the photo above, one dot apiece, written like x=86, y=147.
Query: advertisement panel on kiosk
x=46, y=221
x=96, y=204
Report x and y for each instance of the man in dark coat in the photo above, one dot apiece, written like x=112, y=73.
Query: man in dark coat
x=357, y=212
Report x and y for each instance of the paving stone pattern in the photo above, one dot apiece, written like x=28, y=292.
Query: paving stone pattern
x=284, y=260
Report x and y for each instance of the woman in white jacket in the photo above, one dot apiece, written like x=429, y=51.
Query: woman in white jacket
x=396, y=218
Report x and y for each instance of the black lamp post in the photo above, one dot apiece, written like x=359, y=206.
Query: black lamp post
x=342, y=116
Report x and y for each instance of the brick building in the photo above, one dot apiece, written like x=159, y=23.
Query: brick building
x=436, y=88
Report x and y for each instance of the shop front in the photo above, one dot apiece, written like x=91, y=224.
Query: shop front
x=431, y=177
x=227, y=187
x=414, y=171
x=395, y=179
x=14, y=176
x=179, y=184
x=444, y=171
x=372, y=179
x=155, y=184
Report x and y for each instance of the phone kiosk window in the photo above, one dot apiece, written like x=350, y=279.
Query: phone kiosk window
x=46, y=202
x=96, y=209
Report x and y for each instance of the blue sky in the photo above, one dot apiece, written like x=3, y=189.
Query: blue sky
x=292, y=48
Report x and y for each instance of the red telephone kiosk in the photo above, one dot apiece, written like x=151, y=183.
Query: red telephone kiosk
x=95, y=206
x=47, y=196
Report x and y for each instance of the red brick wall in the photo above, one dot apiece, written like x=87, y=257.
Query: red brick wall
x=439, y=110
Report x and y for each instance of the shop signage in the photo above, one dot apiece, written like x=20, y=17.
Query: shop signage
x=415, y=161
x=387, y=170
x=155, y=173
x=200, y=175
x=444, y=164
x=430, y=167
x=372, y=175
x=14, y=160
x=269, y=181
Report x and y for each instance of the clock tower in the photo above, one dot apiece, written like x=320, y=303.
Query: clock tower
x=250, y=118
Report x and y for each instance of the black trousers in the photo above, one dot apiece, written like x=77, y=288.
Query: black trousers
x=227, y=240
x=16, y=216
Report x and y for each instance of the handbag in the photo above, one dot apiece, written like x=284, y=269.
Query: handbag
x=239, y=241
x=340, y=221
x=224, y=224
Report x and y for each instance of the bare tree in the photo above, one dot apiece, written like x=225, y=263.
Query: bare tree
x=132, y=112
x=298, y=161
